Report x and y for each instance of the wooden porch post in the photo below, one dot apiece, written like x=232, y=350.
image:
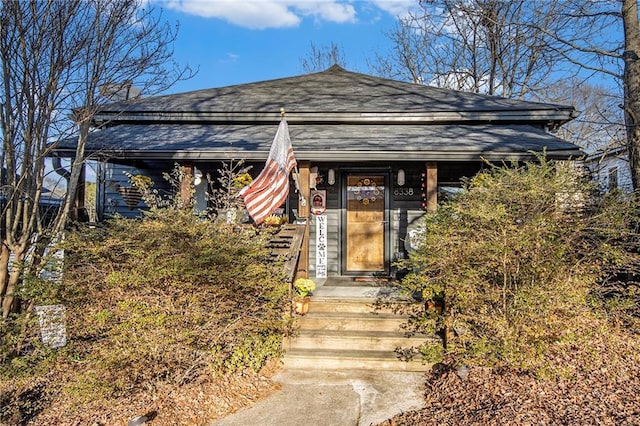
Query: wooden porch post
x=186, y=184
x=431, y=193
x=303, y=212
x=78, y=212
x=431, y=186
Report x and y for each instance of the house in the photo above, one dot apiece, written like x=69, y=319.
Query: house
x=50, y=202
x=610, y=168
x=373, y=154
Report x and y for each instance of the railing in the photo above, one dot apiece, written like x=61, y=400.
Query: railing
x=286, y=245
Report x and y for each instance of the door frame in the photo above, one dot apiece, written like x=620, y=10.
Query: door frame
x=388, y=176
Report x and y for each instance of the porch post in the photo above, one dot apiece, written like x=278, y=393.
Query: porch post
x=431, y=193
x=303, y=212
x=431, y=186
x=78, y=212
x=186, y=184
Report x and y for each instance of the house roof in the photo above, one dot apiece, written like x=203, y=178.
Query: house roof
x=333, y=115
x=608, y=152
x=332, y=95
x=352, y=142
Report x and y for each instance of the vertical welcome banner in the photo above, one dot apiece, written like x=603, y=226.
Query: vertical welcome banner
x=321, y=246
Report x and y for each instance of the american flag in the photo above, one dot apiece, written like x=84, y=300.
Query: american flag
x=270, y=189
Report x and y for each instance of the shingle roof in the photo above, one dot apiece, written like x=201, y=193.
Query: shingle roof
x=333, y=115
x=329, y=142
x=333, y=95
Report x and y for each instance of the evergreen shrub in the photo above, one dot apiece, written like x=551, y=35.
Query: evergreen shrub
x=171, y=298
x=518, y=260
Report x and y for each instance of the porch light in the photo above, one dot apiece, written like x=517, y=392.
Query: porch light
x=401, y=177
x=197, y=176
x=331, y=176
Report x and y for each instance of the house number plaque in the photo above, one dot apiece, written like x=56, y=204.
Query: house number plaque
x=406, y=193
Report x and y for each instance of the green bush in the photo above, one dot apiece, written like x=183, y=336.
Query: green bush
x=169, y=298
x=175, y=281
x=517, y=258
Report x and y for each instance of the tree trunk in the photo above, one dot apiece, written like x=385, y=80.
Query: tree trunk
x=5, y=253
x=9, y=301
x=77, y=171
x=632, y=85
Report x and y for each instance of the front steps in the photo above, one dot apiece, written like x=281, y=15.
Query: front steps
x=344, y=333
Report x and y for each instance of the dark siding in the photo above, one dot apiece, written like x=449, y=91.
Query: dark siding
x=110, y=201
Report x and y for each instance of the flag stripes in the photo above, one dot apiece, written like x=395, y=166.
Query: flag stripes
x=271, y=188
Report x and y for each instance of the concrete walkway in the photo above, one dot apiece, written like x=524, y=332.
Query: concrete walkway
x=328, y=398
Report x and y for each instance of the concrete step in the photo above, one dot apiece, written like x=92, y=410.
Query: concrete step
x=354, y=340
x=323, y=359
x=360, y=305
x=354, y=332
x=351, y=321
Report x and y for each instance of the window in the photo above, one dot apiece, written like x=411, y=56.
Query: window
x=613, y=178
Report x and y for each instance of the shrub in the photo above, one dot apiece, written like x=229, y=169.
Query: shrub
x=170, y=298
x=185, y=281
x=517, y=259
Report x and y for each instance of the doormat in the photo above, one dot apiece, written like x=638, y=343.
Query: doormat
x=367, y=279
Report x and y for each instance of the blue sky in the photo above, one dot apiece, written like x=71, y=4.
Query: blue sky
x=241, y=41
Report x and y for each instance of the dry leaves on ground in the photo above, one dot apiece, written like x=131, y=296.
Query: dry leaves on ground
x=608, y=395
x=196, y=403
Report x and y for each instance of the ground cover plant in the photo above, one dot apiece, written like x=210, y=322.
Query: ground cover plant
x=528, y=277
x=173, y=315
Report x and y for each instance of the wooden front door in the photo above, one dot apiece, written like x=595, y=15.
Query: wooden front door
x=364, y=233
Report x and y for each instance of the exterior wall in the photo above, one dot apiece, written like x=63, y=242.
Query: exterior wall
x=333, y=232
x=618, y=166
x=112, y=176
x=406, y=203
x=406, y=206
x=611, y=170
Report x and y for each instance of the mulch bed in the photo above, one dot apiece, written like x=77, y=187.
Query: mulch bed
x=485, y=396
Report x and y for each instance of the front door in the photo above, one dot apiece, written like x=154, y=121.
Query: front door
x=364, y=241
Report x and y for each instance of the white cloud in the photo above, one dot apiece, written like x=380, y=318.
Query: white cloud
x=230, y=57
x=331, y=11
x=261, y=14
x=398, y=8
x=249, y=14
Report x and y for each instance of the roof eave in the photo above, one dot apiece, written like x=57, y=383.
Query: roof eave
x=335, y=156
x=557, y=117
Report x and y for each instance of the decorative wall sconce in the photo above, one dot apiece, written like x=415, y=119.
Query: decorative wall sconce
x=313, y=177
x=331, y=177
x=197, y=176
x=401, y=177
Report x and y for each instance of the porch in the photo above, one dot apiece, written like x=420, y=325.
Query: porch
x=371, y=289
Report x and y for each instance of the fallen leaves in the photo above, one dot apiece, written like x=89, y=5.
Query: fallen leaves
x=191, y=404
x=607, y=395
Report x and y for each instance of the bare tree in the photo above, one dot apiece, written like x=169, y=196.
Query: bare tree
x=602, y=38
x=600, y=125
x=481, y=46
x=321, y=58
x=124, y=43
x=518, y=48
x=54, y=58
x=632, y=85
